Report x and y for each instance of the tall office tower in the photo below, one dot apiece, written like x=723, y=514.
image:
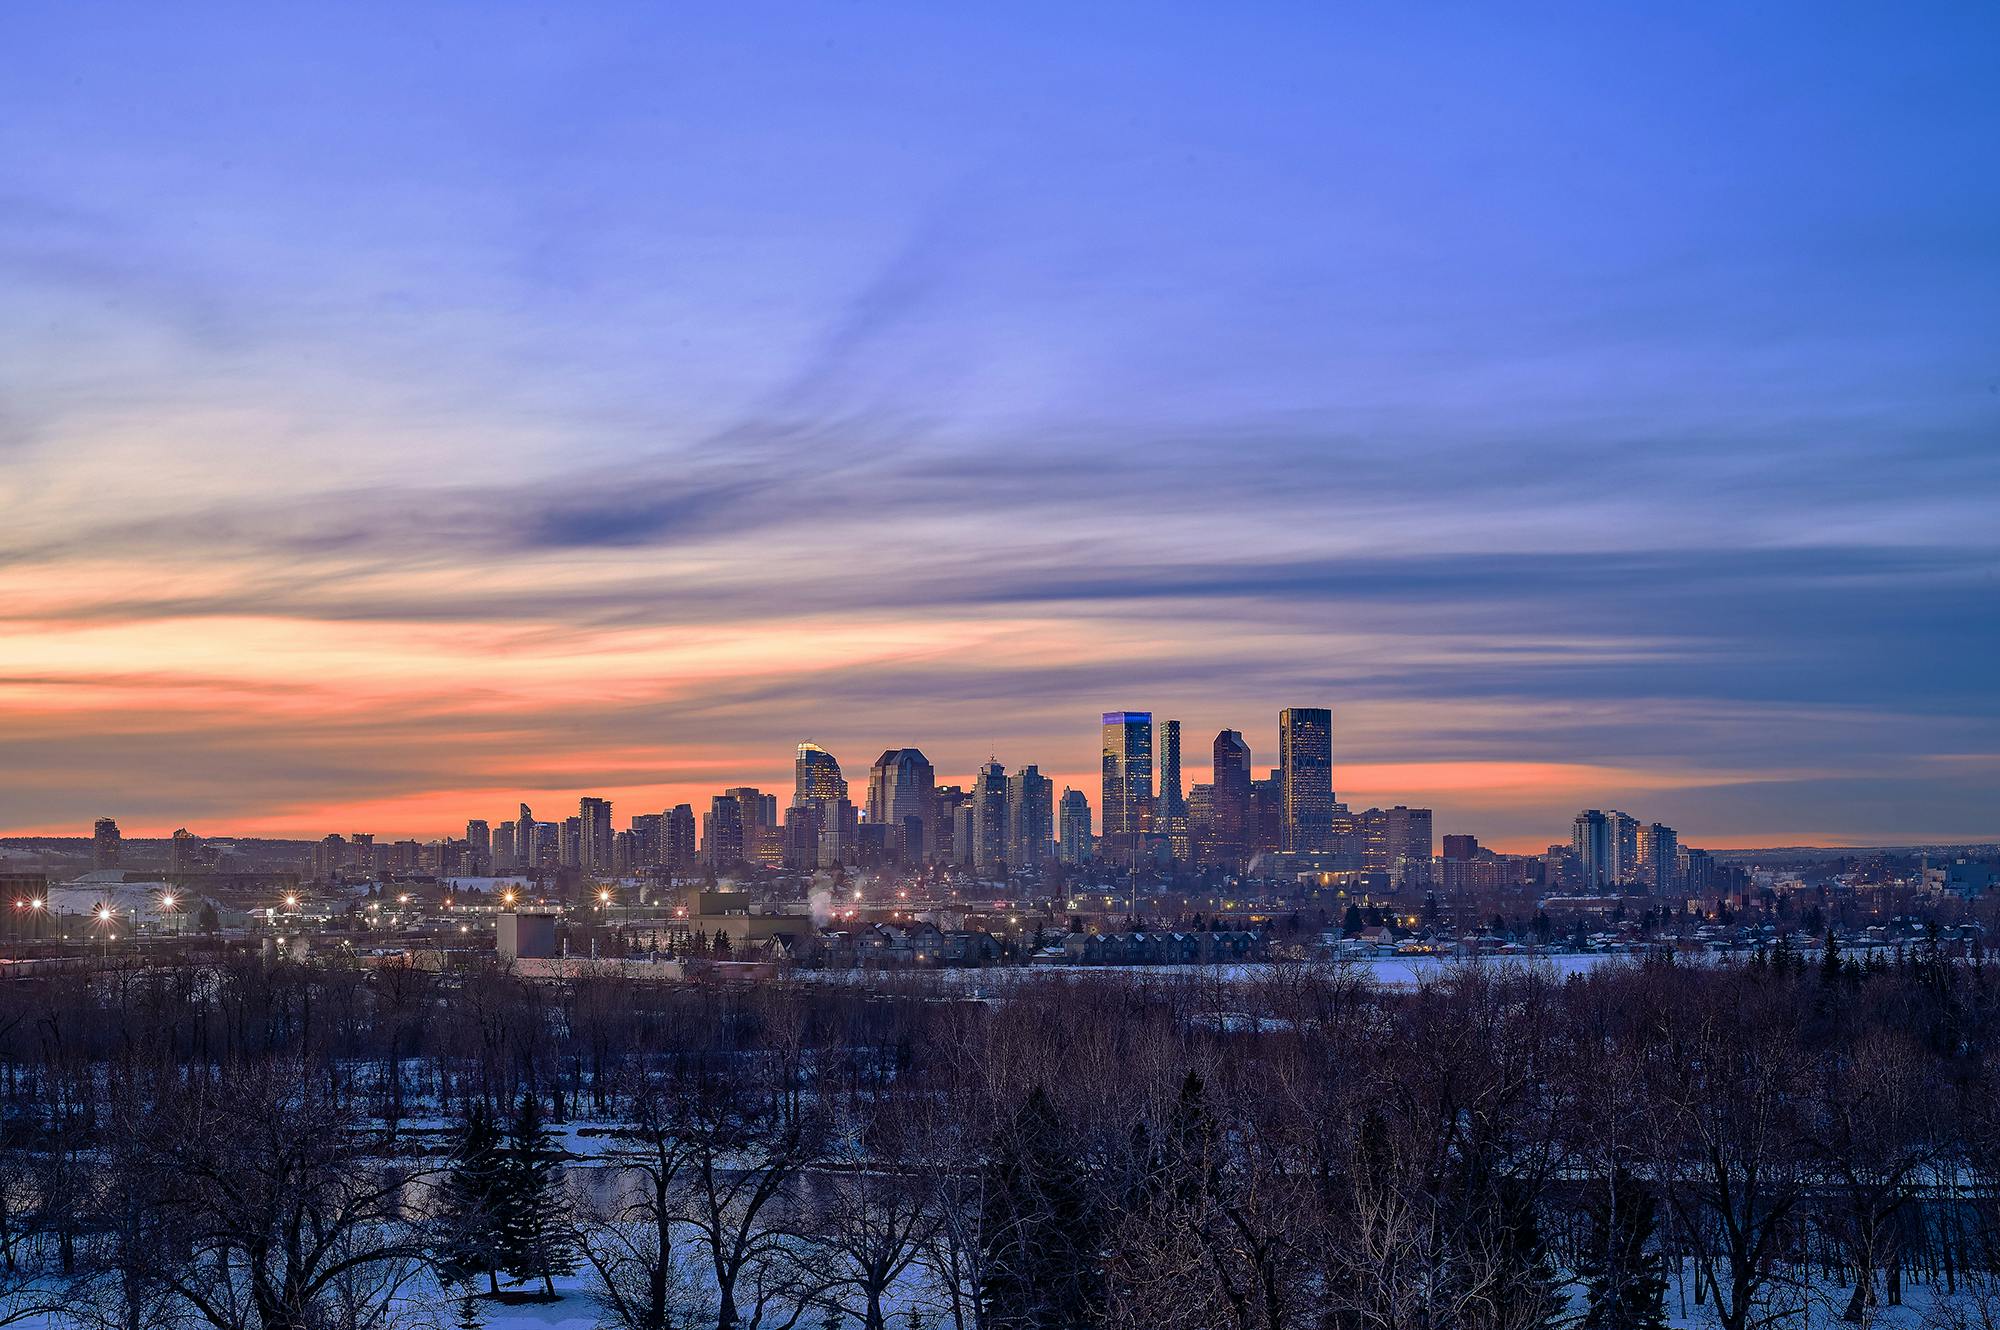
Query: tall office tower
x=548, y=845
x=1267, y=813
x=594, y=844
x=649, y=844
x=943, y=839
x=1075, y=827
x=505, y=857
x=902, y=787
x=184, y=855
x=105, y=846
x=1697, y=872
x=1596, y=850
x=1031, y=818
x=1625, y=865
x=1229, y=817
x=815, y=775
x=1172, y=802
x=624, y=852
x=1461, y=849
x=1659, y=858
x=1170, y=810
x=677, y=850
x=722, y=832
x=1305, y=759
x=965, y=832
x=569, y=842
x=1128, y=780
x=989, y=816
x=479, y=838
x=1398, y=841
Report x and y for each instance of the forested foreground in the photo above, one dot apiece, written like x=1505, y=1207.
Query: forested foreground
x=247, y=1145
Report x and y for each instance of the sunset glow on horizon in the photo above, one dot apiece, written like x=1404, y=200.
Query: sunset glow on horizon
x=387, y=441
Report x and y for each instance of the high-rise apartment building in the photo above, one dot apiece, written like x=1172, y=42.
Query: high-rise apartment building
x=722, y=832
x=649, y=844
x=1595, y=844
x=594, y=838
x=677, y=850
x=106, y=847
x=1305, y=764
x=763, y=834
x=1128, y=780
x=944, y=844
x=902, y=800
x=505, y=857
x=1461, y=849
x=1625, y=864
x=1075, y=846
x=1659, y=850
x=527, y=840
x=479, y=839
x=1031, y=816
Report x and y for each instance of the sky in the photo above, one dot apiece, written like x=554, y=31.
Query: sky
x=408, y=410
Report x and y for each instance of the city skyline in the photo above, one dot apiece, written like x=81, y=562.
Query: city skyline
x=1595, y=408
x=816, y=774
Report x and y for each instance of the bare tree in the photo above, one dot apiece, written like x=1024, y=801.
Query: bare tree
x=264, y=1211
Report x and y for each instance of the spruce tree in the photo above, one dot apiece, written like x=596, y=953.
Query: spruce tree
x=1525, y=1293
x=1624, y=1284
x=538, y=1236
x=472, y=1204
x=1043, y=1245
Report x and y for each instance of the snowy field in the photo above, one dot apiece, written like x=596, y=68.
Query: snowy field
x=1388, y=971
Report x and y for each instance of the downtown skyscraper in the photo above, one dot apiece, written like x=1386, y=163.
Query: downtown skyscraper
x=1305, y=766
x=1126, y=812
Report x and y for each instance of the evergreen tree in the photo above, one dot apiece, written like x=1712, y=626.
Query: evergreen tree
x=468, y=1311
x=538, y=1235
x=1350, y=924
x=1525, y=1293
x=1829, y=961
x=1040, y=1228
x=1624, y=1284
x=472, y=1202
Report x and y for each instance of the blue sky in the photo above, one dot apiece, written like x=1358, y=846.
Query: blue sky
x=402, y=407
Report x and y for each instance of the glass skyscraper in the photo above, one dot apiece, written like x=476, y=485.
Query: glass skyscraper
x=1305, y=764
x=1128, y=775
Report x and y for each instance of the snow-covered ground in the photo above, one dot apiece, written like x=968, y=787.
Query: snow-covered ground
x=1389, y=971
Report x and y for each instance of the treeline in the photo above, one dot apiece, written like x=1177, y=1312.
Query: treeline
x=288, y=1147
